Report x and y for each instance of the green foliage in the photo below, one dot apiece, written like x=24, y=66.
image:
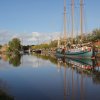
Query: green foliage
x=53, y=44
x=14, y=45
x=96, y=34
x=14, y=59
x=0, y=46
x=47, y=57
x=45, y=46
x=41, y=46
x=91, y=37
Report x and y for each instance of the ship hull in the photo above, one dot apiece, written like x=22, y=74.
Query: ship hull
x=80, y=54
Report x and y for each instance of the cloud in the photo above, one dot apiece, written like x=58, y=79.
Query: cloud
x=5, y=36
x=37, y=38
x=28, y=38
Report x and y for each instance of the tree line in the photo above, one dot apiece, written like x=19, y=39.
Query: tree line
x=94, y=36
x=14, y=46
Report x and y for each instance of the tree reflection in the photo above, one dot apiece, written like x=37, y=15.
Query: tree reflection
x=15, y=60
x=5, y=96
x=96, y=77
x=52, y=59
x=4, y=91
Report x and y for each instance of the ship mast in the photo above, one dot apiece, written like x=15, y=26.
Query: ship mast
x=72, y=17
x=65, y=36
x=81, y=18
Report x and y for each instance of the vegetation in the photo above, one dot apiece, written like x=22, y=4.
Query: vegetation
x=14, y=46
x=91, y=37
x=15, y=60
x=94, y=36
x=47, y=57
x=0, y=46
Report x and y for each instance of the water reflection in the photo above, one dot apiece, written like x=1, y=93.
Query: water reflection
x=75, y=84
x=52, y=58
x=49, y=78
x=15, y=60
x=4, y=95
x=86, y=69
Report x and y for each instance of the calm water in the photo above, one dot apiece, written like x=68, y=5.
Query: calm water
x=36, y=77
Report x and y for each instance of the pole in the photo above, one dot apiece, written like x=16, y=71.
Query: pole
x=65, y=36
x=81, y=18
x=72, y=8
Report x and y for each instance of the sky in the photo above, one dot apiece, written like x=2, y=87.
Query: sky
x=37, y=21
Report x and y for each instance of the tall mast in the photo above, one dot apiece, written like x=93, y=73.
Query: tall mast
x=65, y=36
x=58, y=42
x=81, y=18
x=72, y=17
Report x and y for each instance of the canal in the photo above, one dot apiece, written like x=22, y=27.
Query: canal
x=41, y=77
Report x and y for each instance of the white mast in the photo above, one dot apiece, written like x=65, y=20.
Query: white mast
x=58, y=45
x=72, y=17
x=65, y=36
x=81, y=18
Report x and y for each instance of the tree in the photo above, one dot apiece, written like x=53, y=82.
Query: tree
x=0, y=46
x=96, y=34
x=14, y=45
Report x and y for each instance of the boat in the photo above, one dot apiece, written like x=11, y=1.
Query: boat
x=75, y=51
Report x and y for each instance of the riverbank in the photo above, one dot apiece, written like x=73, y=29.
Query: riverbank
x=98, y=55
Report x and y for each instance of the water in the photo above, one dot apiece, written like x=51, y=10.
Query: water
x=37, y=77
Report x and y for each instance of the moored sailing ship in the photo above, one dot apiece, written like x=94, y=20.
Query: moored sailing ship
x=76, y=51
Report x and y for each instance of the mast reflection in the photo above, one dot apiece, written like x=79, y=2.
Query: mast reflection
x=84, y=68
